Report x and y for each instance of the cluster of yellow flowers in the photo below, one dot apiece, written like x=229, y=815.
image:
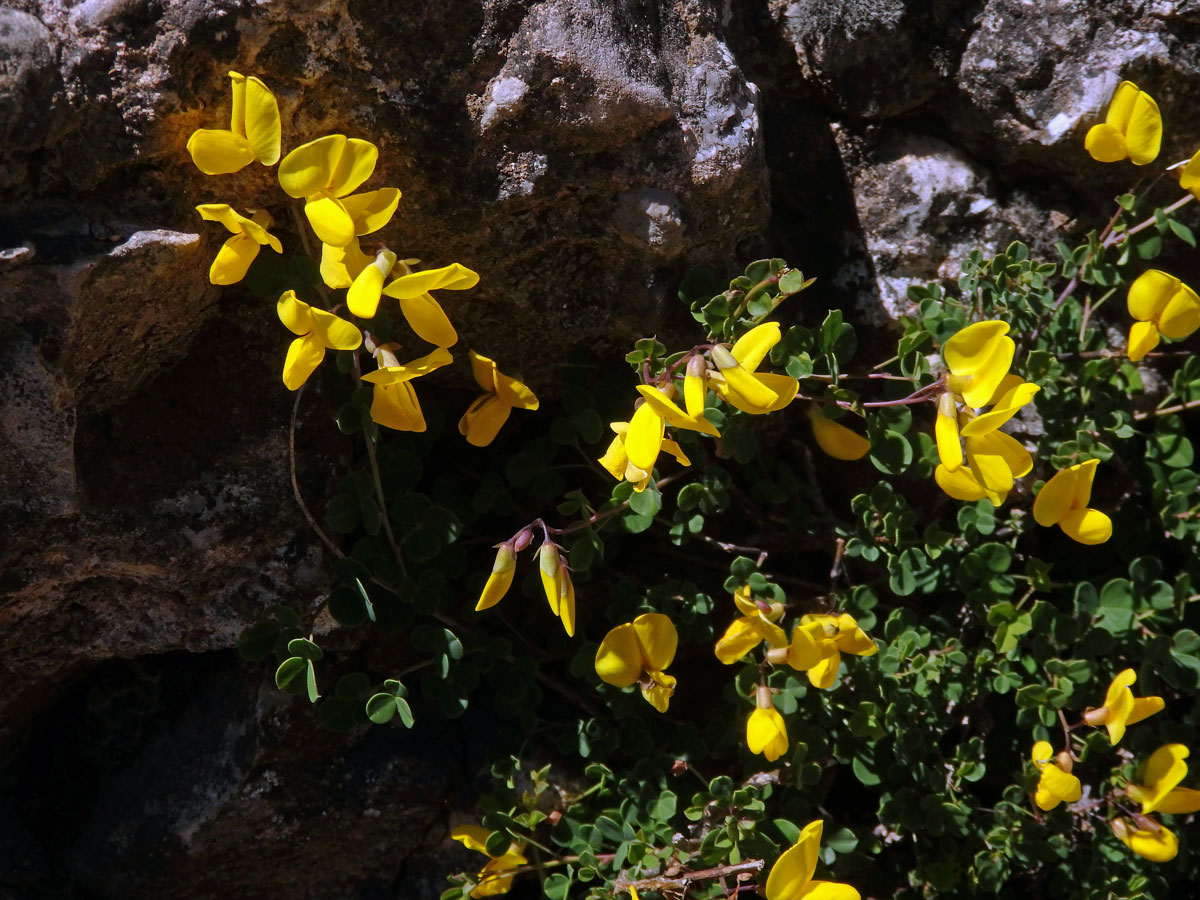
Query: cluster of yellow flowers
x=325, y=174
x=1161, y=304
x=1158, y=792
x=977, y=460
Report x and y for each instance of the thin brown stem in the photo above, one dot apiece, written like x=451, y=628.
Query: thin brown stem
x=296, y=484
x=682, y=882
x=1166, y=410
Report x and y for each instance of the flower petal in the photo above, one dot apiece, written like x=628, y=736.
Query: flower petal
x=739, y=638
x=334, y=332
x=1143, y=134
x=233, y=259
x=500, y=580
x=453, y=277
x=614, y=459
x=329, y=220
x=946, y=434
x=261, y=122
x=1054, y=500
x=355, y=164
x=666, y=409
x=619, y=658
x=363, y=297
x=824, y=673
x=835, y=439
x=961, y=484
x=659, y=693
x=766, y=733
x=549, y=568
x=676, y=451
x=515, y=393
x=1143, y=337
x=484, y=370
x=1003, y=409
x=341, y=265
x=1180, y=800
x=645, y=436
x=294, y=313
x=1164, y=770
x=372, y=210
x=970, y=348
x=1144, y=708
x=473, y=837
x=794, y=869
x=1105, y=143
x=396, y=406
x=219, y=152
x=755, y=344
x=658, y=639
x=426, y=317
x=486, y=421
x=852, y=639
x=830, y=890
x=303, y=356
x=1087, y=526
x=422, y=365
x=1181, y=316
x=1156, y=845
x=309, y=168
x=1150, y=293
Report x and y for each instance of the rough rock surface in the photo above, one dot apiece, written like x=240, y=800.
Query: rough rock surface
x=580, y=154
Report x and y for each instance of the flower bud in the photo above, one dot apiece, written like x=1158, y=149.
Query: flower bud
x=521, y=541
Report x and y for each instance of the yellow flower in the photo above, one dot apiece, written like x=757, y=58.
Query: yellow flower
x=791, y=877
x=756, y=624
x=978, y=358
x=497, y=874
x=1164, y=770
x=319, y=331
x=616, y=460
x=737, y=380
x=341, y=265
x=1164, y=307
x=765, y=731
x=835, y=438
x=806, y=649
x=424, y=314
x=1121, y=708
x=834, y=635
x=1056, y=783
x=1132, y=128
x=484, y=417
x=1189, y=175
x=501, y=579
x=239, y=251
x=1147, y=838
x=556, y=582
x=254, y=131
x=639, y=651
x=325, y=172
x=1063, y=501
x=394, y=401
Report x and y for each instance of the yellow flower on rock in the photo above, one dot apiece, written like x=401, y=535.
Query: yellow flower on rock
x=319, y=331
x=1158, y=792
x=497, y=874
x=834, y=635
x=325, y=173
x=484, y=417
x=756, y=624
x=1147, y=838
x=254, y=131
x=738, y=381
x=1063, y=501
x=616, y=460
x=394, y=401
x=556, y=582
x=1056, y=783
x=1164, y=307
x=766, y=732
x=639, y=652
x=239, y=251
x=791, y=877
x=1121, y=708
x=1132, y=128
x=835, y=438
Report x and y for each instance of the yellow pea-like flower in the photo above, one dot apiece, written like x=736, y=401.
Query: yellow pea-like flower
x=319, y=331
x=239, y=251
x=1056, y=783
x=394, y=401
x=738, y=381
x=1147, y=838
x=766, y=732
x=1132, y=128
x=835, y=635
x=484, y=417
x=1063, y=501
x=616, y=461
x=254, y=131
x=835, y=439
x=325, y=172
x=978, y=358
x=1121, y=708
x=501, y=578
x=791, y=878
x=1164, y=307
x=1158, y=791
x=556, y=582
x=638, y=652
x=756, y=624
x=497, y=875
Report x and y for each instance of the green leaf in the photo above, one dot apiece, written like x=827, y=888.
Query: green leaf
x=381, y=708
x=288, y=670
x=311, y=682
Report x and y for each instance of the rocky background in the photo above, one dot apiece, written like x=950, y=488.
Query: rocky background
x=581, y=155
